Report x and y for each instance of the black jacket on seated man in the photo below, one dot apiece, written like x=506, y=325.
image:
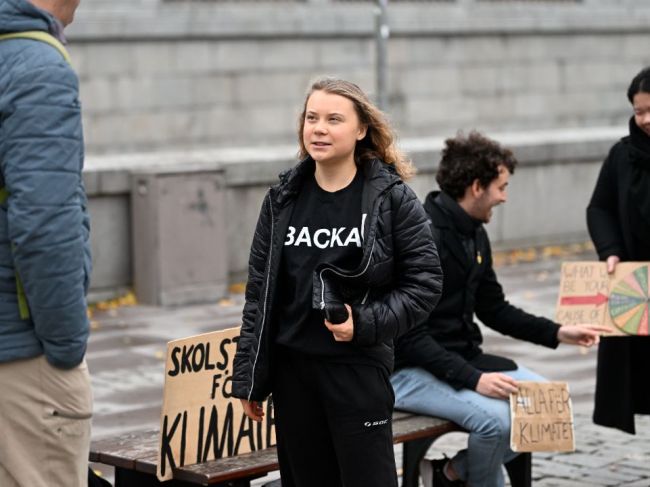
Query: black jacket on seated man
x=448, y=343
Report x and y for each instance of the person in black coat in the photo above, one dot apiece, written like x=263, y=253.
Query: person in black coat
x=341, y=264
x=442, y=370
x=618, y=217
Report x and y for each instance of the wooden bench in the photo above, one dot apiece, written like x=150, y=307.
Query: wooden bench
x=134, y=457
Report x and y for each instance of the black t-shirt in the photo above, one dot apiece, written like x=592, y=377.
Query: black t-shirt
x=324, y=228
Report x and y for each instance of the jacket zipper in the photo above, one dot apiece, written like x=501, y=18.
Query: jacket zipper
x=320, y=274
x=266, y=293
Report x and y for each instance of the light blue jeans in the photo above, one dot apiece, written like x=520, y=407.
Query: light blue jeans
x=487, y=420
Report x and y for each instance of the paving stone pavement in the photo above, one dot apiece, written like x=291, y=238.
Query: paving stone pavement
x=127, y=345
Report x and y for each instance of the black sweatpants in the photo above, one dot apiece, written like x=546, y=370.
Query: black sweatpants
x=333, y=423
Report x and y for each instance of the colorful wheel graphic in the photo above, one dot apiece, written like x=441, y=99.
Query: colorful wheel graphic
x=628, y=303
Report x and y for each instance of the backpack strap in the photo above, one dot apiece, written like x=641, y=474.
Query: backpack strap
x=42, y=36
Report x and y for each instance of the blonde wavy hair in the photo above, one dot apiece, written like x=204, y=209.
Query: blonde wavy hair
x=379, y=142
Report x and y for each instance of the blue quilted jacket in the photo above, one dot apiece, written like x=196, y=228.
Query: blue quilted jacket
x=44, y=226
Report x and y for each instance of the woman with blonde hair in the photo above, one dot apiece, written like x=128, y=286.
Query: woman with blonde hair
x=341, y=264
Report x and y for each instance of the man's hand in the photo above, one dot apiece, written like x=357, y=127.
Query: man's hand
x=612, y=260
x=496, y=385
x=343, y=332
x=585, y=335
x=253, y=409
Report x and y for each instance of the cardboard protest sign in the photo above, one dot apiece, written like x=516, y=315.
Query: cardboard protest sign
x=541, y=417
x=589, y=295
x=200, y=419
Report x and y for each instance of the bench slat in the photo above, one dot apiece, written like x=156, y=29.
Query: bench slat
x=414, y=427
x=249, y=464
x=125, y=450
x=139, y=452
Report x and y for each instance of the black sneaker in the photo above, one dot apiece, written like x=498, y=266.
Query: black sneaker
x=433, y=474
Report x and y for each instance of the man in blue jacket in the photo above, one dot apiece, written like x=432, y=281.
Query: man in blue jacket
x=45, y=399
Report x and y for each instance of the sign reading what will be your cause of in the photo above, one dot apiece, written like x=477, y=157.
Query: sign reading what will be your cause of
x=200, y=419
x=541, y=417
x=620, y=301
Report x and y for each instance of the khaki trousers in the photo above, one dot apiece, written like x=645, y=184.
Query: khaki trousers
x=45, y=416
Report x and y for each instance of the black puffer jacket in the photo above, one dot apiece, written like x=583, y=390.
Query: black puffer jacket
x=448, y=342
x=396, y=285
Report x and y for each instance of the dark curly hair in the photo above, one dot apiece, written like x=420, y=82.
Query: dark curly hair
x=640, y=84
x=465, y=159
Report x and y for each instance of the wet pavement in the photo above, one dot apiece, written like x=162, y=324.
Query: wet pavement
x=126, y=359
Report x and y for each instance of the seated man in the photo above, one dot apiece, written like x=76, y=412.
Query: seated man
x=440, y=367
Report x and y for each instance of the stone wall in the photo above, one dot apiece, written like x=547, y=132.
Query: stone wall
x=182, y=81
x=172, y=73
x=547, y=195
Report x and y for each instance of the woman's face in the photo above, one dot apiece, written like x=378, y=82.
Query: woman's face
x=331, y=129
x=641, y=104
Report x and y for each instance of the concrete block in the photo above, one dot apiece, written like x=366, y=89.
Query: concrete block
x=78, y=55
x=479, y=80
x=534, y=47
x=589, y=104
x=229, y=57
x=346, y=53
x=498, y=109
x=481, y=49
x=153, y=57
x=255, y=125
x=529, y=77
x=452, y=112
x=91, y=182
x=244, y=205
x=287, y=86
x=265, y=55
x=179, y=237
x=417, y=51
x=174, y=91
x=135, y=93
x=110, y=239
x=291, y=54
x=214, y=89
x=531, y=104
x=605, y=74
x=97, y=95
x=630, y=42
x=193, y=56
x=563, y=191
x=114, y=182
x=108, y=58
x=105, y=132
x=427, y=81
x=589, y=47
x=189, y=126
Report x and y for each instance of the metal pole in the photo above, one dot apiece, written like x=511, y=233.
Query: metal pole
x=382, y=32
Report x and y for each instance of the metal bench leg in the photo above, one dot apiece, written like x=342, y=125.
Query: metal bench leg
x=412, y=454
x=520, y=470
